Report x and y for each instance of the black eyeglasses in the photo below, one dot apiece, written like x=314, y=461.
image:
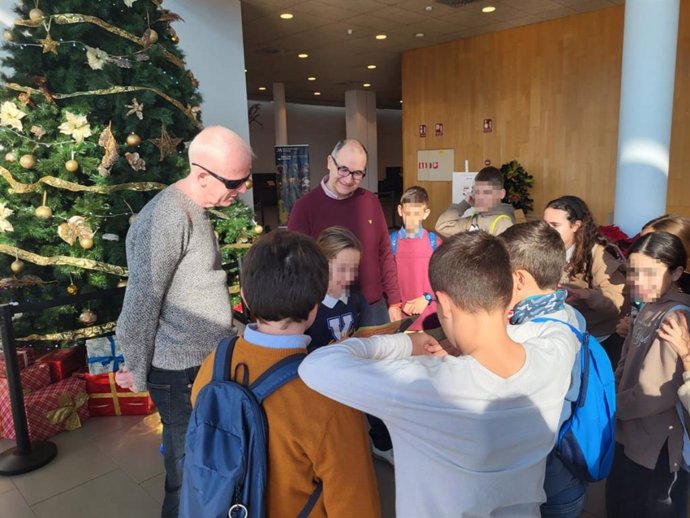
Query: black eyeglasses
x=345, y=171
x=229, y=184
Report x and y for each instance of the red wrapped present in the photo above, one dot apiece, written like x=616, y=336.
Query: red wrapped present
x=63, y=362
x=26, y=356
x=33, y=378
x=106, y=398
x=50, y=410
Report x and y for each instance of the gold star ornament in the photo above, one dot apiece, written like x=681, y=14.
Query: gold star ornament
x=166, y=144
x=49, y=44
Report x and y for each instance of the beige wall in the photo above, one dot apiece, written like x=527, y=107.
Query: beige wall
x=552, y=90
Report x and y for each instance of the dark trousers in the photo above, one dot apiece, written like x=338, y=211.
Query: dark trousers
x=613, y=346
x=635, y=491
x=171, y=392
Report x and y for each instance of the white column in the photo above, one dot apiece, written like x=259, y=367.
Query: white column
x=280, y=114
x=360, y=124
x=646, y=107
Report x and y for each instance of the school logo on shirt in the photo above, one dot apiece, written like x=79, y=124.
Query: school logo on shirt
x=341, y=326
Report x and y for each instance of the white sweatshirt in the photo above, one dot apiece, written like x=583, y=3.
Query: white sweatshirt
x=467, y=442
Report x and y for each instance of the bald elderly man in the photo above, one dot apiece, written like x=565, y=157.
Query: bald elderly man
x=176, y=307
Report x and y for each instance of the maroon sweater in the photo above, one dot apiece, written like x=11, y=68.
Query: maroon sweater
x=362, y=214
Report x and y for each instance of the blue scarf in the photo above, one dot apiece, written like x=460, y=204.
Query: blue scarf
x=538, y=305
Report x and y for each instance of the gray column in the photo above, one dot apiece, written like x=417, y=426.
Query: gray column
x=360, y=124
x=280, y=114
x=646, y=107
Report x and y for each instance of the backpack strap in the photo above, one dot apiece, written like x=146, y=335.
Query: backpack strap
x=584, y=356
x=276, y=376
x=495, y=221
x=432, y=241
x=223, y=358
x=306, y=510
x=394, y=241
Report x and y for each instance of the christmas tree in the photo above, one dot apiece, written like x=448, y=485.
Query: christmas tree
x=96, y=110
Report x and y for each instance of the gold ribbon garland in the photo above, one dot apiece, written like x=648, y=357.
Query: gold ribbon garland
x=76, y=334
x=63, y=260
x=67, y=411
x=109, y=91
x=70, y=18
x=24, y=188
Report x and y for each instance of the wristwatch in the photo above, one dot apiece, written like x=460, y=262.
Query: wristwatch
x=428, y=298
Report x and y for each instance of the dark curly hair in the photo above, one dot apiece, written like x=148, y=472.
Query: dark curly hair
x=585, y=238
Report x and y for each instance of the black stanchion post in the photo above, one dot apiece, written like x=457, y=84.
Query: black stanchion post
x=26, y=456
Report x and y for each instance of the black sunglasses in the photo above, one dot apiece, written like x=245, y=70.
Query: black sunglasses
x=229, y=184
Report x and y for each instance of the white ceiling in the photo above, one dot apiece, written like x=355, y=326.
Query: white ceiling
x=339, y=61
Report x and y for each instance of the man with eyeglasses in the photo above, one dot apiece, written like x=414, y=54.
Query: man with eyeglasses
x=339, y=200
x=176, y=307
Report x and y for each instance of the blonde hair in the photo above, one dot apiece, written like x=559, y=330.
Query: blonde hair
x=334, y=240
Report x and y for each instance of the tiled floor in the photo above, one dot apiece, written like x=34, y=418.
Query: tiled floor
x=112, y=468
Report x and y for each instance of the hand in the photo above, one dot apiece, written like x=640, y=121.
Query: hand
x=469, y=197
x=423, y=343
x=124, y=378
x=575, y=294
x=674, y=331
x=415, y=306
x=395, y=313
x=623, y=326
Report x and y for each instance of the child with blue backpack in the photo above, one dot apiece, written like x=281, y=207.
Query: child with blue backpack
x=318, y=460
x=648, y=479
x=412, y=248
x=537, y=257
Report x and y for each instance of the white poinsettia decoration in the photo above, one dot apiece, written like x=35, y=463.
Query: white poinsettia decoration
x=96, y=58
x=129, y=3
x=76, y=126
x=5, y=226
x=11, y=116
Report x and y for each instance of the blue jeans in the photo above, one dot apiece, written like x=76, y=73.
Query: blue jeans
x=375, y=314
x=565, y=493
x=171, y=392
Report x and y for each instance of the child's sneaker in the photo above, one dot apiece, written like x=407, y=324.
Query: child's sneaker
x=385, y=455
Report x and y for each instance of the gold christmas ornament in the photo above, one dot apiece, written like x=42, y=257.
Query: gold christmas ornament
x=109, y=144
x=72, y=165
x=166, y=144
x=258, y=229
x=44, y=212
x=132, y=218
x=49, y=44
x=122, y=283
x=72, y=289
x=27, y=161
x=86, y=243
x=8, y=35
x=133, y=140
x=35, y=15
x=17, y=266
x=249, y=184
x=150, y=36
x=175, y=39
x=87, y=317
x=10, y=157
x=75, y=228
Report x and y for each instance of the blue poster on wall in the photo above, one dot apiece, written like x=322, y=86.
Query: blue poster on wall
x=292, y=165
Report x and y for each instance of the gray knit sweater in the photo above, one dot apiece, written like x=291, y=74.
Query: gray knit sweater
x=176, y=306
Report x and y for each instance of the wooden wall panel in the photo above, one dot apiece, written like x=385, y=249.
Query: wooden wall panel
x=553, y=92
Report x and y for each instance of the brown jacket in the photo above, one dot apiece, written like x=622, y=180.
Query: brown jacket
x=493, y=221
x=648, y=377
x=607, y=299
x=310, y=437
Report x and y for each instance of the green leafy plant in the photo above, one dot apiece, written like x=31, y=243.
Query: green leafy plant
x=518, y=183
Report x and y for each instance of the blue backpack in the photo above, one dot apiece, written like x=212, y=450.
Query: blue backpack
x=586, y=440
x=225, y=462
x=394, y=241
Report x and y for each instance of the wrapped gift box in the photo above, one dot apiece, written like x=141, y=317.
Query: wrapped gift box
x=50, y=410
x=103, y=355
x=106, y=398
x=63, y=362
x=26, y=356
x=33, y=378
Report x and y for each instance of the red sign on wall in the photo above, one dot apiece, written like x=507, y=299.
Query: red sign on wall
x=422, y=130
x=439, y=129
x=488, y=125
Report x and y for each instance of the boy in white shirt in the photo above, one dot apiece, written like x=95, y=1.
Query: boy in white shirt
x=471, y=433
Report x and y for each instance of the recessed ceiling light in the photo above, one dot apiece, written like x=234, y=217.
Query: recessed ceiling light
x=287, y=16
x=371, y=67
x=245, y=70
x=317, y=93
x=262, y=88
x=419, y=35
x=381, y=36
x=429, y=8
x=400, y=101
x=302, y=55
x=366, y=85
x=311, y=78
x=488, y=9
